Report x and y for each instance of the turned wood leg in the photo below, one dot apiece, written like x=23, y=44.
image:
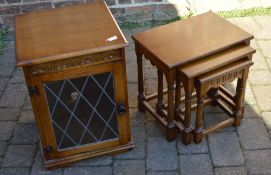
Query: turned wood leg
x=239, y=98
x=170, y=128
x=199, y=116
x=187, y=132
x=141, y=96
x=239, y=102
x=160, y=103
x=177, y=97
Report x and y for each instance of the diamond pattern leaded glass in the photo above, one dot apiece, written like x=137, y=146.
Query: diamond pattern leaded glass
x=82, y=110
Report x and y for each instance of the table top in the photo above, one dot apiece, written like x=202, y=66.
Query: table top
x=216, y=61
x=187, y=40
x=55, y=34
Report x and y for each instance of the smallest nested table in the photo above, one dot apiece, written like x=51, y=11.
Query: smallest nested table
x=174, y=45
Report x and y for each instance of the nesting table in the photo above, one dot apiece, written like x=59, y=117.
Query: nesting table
x=172, y=47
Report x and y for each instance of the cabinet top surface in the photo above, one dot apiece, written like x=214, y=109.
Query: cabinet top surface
x=61, y=33
x=188, y=40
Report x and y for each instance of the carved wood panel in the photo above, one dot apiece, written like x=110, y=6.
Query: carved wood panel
x=92, y=59
x=228, y=77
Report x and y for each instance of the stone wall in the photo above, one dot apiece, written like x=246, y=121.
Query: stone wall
x=123, y=10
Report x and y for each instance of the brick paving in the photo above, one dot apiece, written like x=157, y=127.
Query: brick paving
x=245, y=150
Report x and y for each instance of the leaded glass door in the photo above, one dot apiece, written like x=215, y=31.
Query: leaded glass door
x=83, y=111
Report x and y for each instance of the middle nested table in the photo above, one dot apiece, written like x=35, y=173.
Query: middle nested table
x=172, y=46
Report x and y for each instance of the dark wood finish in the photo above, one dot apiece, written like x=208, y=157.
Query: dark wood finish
x=52, y=49
x=183, y=51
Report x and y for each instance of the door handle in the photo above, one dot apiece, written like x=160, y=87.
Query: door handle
x=121, y=109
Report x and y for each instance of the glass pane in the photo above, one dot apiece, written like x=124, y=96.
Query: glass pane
x=82, y=110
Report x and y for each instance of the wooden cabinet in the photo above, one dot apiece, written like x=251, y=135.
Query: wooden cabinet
x=79, y=97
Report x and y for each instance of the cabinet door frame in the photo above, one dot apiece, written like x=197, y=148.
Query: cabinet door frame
x=120, y=89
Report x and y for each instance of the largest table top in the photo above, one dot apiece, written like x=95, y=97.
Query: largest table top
x=55, y=34
x=188, y=40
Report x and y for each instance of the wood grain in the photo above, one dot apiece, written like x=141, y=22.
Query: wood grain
x=188, y=40
x=215, y=61
x=67, y=43
x=66, y=32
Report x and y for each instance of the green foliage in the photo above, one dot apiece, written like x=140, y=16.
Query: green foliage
x=259, y=11
x=3, y=37
x=130, y=25
x=160, y=23
x=133, y=25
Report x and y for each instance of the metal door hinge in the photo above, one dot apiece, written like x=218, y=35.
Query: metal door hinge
x=33, y=90
x=47, y=149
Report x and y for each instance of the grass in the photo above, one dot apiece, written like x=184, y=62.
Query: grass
x=130, y=25
x=159, y=23
x=134, y=25
x=3, y=38
x=259, y=11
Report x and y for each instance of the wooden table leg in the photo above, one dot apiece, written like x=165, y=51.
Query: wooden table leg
x=197, y=137
x=239, y=98
x=160, y=103
x=187, y=132
x=177, y=97
x=141, y=96
x=170, y=128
